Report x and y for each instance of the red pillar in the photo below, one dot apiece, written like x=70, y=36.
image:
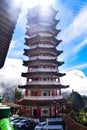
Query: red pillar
x=55, y=109
x=30, y=111
x=26, y=92
x=50, y=111
x=39, y=92
x=49, y=93
x=39, y=66
x=24, y=110
x=38, y=77
x=38, y=112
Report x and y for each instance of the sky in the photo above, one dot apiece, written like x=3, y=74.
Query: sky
x=73, y=24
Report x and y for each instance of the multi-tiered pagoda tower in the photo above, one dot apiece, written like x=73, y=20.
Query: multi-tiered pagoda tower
x=43, y=87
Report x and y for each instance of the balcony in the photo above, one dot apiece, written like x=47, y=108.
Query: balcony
x=42, y=57
x=43, y=83
x=43, y=97
x=42, y=46
x=43, y=70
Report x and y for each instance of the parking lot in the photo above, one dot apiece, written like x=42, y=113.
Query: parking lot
x=23, y=123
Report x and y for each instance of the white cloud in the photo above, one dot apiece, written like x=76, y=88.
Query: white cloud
x=77, y=81
x=10, y=74
x=77, y=27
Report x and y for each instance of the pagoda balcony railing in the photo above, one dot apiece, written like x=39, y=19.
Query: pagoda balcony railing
x=41, y=82
x=42, y=57
x=43, y=97
x=41, y=45
x=43, y=70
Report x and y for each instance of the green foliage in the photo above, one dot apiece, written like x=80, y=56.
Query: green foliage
x=82, y=117
x=18, y=94
x=76, y=101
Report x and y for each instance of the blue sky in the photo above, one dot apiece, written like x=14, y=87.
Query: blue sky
x=73, y=24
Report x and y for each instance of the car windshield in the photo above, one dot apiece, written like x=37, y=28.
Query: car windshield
x=42, y=124
x=22, y=121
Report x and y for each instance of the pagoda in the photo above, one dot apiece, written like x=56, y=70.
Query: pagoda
x=43, y=88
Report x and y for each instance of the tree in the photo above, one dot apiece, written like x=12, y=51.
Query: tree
x=76, y=100
x=18, y=94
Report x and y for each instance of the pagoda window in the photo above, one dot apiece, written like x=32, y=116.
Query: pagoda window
x=36, y=66
x=44, y=93
x=44, y=79
x=44, y=66
x=35, y=79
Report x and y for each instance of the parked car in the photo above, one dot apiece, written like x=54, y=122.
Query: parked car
x=13, y=122
x=21, y=123
x=14, y=117
x=40, y=126
x=53, y=127
x=30, y=125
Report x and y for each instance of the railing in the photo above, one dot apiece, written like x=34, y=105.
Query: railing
x=42, y=57
x=41, y=45
x=43, y=70
x=43, y=83
x=43, y=97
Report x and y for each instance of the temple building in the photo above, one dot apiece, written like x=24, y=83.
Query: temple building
x=43, y=96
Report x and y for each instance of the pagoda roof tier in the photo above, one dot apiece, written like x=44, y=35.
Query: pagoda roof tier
x=44, y=71
x=29, y=62
x=36, y=63
x=30, y=102
x=47, y=31
x=39, y=38
x=47, y=85
x=41, y=20
x=37, y=13
x=38, y=10
x=42, y=49
x=43, y=75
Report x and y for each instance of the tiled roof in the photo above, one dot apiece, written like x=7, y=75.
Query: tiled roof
x=8, y=19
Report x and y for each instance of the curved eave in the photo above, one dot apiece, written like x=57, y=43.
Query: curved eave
x=53, y=22
x=8, y=20
x=39, y=38
x=46, y=86
x=28, y=74
x=38, y=48
x=55, y=33
x=26, y=63
x=27, y=102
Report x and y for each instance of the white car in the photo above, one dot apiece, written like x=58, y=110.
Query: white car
x=21, y=123
x=40, y=126
x=13, y=122
x=14, y=117
x=53, y=127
